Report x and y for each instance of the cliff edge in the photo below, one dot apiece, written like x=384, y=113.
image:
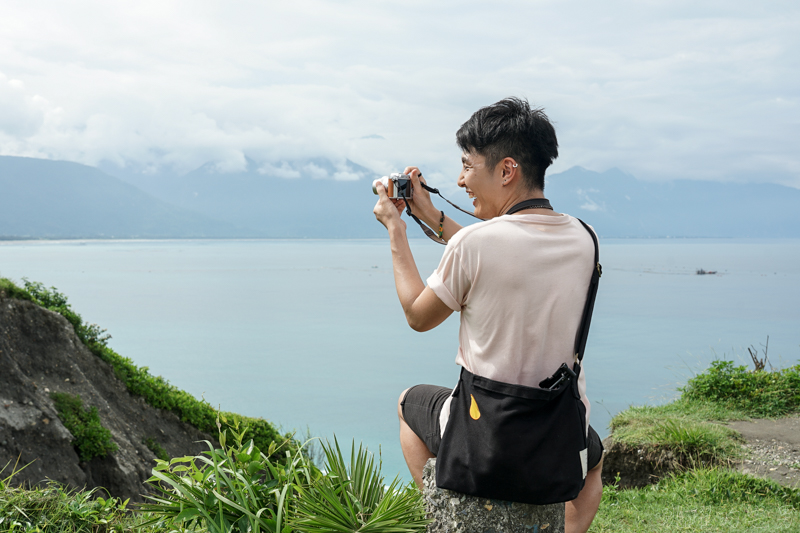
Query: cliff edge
x=40, y=354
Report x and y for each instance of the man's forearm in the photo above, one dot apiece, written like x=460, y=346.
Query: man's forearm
x=449, y=228
x=407, y=280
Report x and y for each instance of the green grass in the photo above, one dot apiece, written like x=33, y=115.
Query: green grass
x=707, y=500
x=156, y=391
x=682, y=429
x=90, y=438
x=54, y=509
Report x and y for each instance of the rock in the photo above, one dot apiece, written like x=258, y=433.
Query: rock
x=458, y=513
x=38, y=349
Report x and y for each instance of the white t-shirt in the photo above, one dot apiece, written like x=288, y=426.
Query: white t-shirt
x=520, y=283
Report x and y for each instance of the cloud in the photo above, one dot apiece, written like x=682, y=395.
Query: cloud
x=660, y=89
x=284, y=171
x=315, y=172
x=21, y=113
x=344, y=175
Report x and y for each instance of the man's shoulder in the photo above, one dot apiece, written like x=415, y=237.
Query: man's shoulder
x=475, y=232
x=489, y=228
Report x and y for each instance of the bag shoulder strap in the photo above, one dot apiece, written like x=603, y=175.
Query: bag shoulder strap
x=588, y=308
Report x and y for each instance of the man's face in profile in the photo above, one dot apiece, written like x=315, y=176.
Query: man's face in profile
x=479, y=182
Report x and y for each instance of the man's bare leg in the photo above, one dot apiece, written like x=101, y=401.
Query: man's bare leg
x=415, y=451
x=580, y=511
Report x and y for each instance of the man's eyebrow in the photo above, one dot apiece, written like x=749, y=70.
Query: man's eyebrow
x=464, y=159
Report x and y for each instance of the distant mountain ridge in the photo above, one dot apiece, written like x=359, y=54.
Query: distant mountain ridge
x=64, y=200
x=619, y=205
x=302, y=199
x=302, y=206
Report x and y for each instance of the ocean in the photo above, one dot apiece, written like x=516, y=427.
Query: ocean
x=309, y=333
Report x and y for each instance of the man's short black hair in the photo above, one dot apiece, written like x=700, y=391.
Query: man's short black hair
x=511, y=128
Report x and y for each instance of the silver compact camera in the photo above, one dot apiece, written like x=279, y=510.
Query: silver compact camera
x=398, y=186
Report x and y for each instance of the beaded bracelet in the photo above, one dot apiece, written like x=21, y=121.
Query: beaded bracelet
x=441, y=225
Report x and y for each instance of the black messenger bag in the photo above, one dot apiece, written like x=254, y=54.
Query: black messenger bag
x=517, y=443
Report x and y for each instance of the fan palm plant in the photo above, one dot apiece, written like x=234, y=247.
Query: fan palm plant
x=355, y=499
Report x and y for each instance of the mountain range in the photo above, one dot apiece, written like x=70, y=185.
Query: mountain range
x=315, y=198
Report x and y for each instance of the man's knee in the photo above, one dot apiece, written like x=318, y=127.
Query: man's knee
x=400, y=403
x=599, y=466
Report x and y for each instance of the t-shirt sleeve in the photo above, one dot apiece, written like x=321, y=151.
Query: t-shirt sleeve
x=449, y=281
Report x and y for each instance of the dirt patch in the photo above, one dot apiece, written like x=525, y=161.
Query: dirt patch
x=772, y=448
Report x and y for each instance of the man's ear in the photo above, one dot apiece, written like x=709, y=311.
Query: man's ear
x=510, y=170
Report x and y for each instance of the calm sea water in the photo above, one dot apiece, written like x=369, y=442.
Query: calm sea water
x=309, y=334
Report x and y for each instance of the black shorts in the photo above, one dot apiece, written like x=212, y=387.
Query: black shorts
x=421, y=408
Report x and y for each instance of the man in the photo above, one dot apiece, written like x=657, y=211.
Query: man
x=519, y=280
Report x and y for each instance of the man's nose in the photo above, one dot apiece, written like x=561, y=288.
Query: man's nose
x=461, y=182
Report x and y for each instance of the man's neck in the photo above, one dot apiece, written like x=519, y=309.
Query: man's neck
x=528, y=195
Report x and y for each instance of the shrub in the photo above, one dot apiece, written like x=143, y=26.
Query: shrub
x=758, y=393
x=91, y=439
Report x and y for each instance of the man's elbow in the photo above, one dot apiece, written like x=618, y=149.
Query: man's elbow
x=418, y=323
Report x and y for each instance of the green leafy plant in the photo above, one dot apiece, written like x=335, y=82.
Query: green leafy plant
x=238, y=488
x=758, y=393
x=235, y=488
x=156, y=390
x=91, y=439
x=355, y=499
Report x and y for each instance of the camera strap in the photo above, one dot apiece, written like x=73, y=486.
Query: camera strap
x=436, y=191
x=428, y=231
x=533, y=203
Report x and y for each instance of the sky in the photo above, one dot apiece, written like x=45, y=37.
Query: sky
x=660, y=89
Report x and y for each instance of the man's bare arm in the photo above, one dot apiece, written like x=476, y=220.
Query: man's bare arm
x=424, y=310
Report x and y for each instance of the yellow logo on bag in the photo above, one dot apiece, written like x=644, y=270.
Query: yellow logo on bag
x=474, y=412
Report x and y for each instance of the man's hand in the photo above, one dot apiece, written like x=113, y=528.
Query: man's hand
x=421, y=204
x=387, y=210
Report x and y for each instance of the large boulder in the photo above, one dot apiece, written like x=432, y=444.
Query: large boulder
x=452, y=512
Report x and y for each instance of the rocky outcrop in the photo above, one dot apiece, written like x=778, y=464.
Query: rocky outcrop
x=452, y=512
x=40, y=354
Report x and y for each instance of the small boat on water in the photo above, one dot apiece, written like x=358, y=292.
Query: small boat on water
x=701, y=272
